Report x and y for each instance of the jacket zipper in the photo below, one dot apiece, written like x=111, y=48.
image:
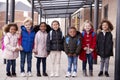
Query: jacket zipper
x=57, y=40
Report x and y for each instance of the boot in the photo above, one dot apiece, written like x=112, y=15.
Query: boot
x=91, y=73
x=100, y=73
x=85, y=73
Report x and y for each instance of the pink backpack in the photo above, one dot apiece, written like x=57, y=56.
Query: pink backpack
x=2, y=44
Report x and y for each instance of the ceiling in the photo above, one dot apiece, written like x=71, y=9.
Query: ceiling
x=59, y=8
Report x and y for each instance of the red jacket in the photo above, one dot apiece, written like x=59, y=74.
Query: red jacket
x=91, y=40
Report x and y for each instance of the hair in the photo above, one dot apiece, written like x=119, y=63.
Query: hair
x=42, y=23
x=73, y=28
x=56, y=22
x=110, y=26
x=89, y=22
x=8, y=26
x=28, y=19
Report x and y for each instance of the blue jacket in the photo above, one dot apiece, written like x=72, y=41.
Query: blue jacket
x=27, y=39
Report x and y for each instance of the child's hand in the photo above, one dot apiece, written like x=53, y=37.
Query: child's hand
x=35, y=52
x=21, y=48
x=17, y=49
x=85, y=48
x=74, y=54
x=91, y=49
x=69, y=54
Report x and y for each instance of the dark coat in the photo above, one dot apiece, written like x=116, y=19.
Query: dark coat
x=55, y=41
x=72, y=45
x=104, y=44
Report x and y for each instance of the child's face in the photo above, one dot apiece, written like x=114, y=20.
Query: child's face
x=72, y=32
x=12, y=29
x=105, y=26
x=55, y=26
x=43, y=27
x=87, y=27
x=28, y=25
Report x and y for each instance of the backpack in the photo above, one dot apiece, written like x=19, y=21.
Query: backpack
x=83, y=34
x=68, y=39
x=2, y=44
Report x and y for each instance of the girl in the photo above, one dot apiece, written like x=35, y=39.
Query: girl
x=40, y=48
x=11, y=49
x=104, y=38
x=88, y=47
x=54, y=47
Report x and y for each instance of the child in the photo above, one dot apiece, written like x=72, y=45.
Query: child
x=54, y=47
x=40, y=48
x=72, y=46
x=26, y=42
x=105, y=45
x=88, y=47
x=11, y=50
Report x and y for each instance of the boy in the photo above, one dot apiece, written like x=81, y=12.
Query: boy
x=72, y=45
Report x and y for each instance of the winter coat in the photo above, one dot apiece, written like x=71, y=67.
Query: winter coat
x=91, y=40
x=10, y=42
x=55, y=41
x=72, y=45
x=104, y=44
x=40, y=44
x=27, y=40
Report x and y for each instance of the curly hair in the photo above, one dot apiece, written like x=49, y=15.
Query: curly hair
x=8, y=26
x=110, y=26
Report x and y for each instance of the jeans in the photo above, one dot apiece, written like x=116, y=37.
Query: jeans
x=72, y=60
x=11, y=63
x=39, y=59
x=29, y=62
x=90, y=62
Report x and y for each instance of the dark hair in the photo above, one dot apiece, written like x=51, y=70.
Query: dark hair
x=8, y=26
x=72, y=28
x=110, y=26
x=42, y=23
x=56, y=22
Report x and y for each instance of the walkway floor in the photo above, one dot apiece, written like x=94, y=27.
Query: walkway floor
x=62, y=71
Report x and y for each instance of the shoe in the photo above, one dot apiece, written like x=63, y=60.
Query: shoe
x=14, y=74
x=74, y=74
x=85, y=73
x=52, y=74
x=91, y=73
x=100, y=73
x=68, y=74
x=23, y=74
x=38, y=74
x=45, y=74
x=29, y=74
x=106, y=74
x=9, y=74
x=56, y=75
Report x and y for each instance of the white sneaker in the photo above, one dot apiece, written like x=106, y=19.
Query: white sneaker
x=68, y=74
x=23, y=74
x=56, y=75
x=74, y=74
x=52, y=74
x=29, y=74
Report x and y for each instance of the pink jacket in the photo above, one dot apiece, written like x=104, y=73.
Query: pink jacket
x=40, y=44
x=10, y=42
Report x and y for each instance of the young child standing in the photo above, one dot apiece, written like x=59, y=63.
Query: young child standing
x=11, y=50
x=88, y=47
x=105, y=45
x=54, y=47
x=40, y=48
x=26, y=42
x=72, y=46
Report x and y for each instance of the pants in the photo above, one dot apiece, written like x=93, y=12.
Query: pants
x=90, y=62
x=29, y=62
x=72, y=61
x=104, y=62
x=11, y=63
x=55, y=61
x=43, y=64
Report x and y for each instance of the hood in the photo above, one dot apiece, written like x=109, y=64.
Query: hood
x=24, y=29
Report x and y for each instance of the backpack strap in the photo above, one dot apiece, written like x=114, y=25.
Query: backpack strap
x=83, y=34
x=78, y=41
x=67, y=40
x=93, y=34
x=51, y=34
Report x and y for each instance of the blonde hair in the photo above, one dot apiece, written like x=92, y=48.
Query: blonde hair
x=88, y=22
x=28, y=19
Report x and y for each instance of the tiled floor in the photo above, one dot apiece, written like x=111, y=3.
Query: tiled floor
x=62, y=71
